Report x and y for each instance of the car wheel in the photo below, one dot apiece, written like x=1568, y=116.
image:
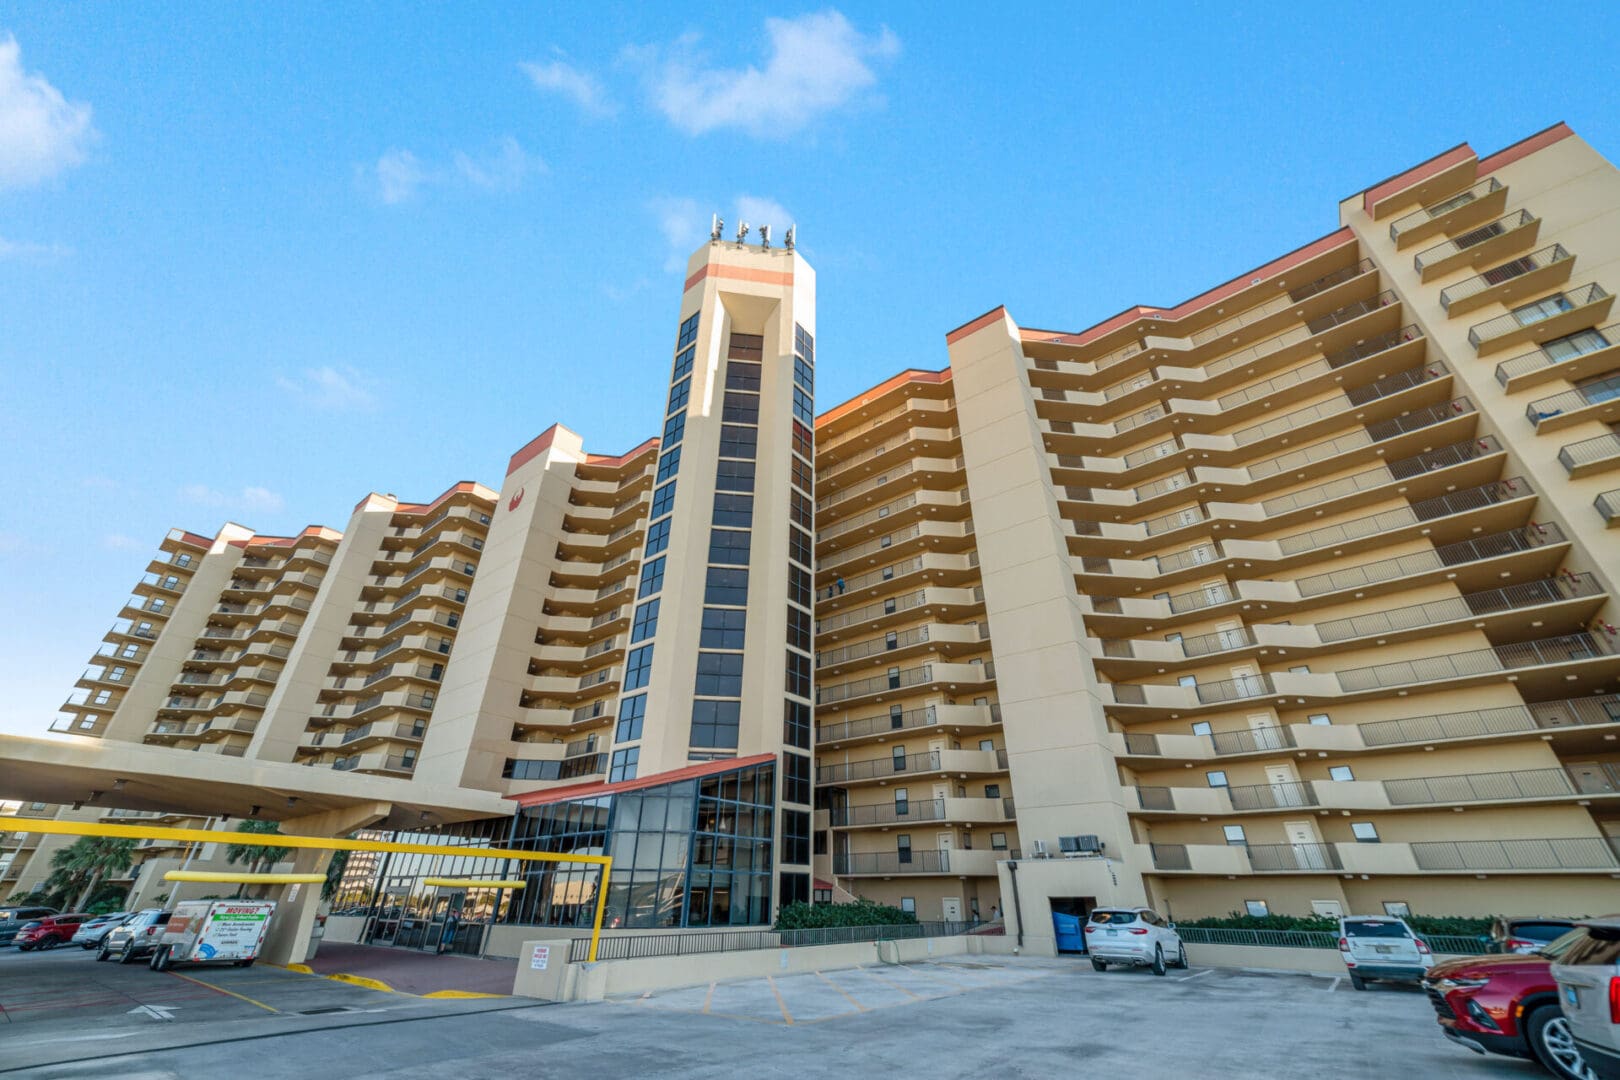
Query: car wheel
x=1158, y=959
x=1098, y=965
x=128, y=955
x=102, y=954
x=1554, y=1045
x=162, y=958
x=24, y=948
x=48, y=944
x=1357, y=982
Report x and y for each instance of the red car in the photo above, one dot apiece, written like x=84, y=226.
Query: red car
x=49, y=931
x=1507, y=1004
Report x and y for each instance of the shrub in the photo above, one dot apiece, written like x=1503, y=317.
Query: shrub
x=1456, y=925
x=803, y=916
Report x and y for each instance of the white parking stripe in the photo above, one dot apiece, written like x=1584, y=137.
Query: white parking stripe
x=1194, y=975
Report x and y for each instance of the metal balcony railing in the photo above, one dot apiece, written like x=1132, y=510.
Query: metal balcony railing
x=1306, y=857
x=908, y=861
x=1608, y=505
x=1557, y=352
x=1473, y=237
x=1419, y=562
x=1170, y=857
x=1565, y=853
x=1497, y=275
x=1506, y=720
x=1457, y=502
x=869, y=768
x=1445, y=206
x=859, y=650
x=1479, y=787
x=1570, y=648
x=894, y=812
x=1590, y=452
x=1239, y=689
x=1277, y=796
x=1593, y=393
x=1251, y=740
x=1468, y=606
x=1393, y=472
x=1531, y=314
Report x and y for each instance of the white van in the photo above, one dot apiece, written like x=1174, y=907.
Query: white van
x=1382, y=947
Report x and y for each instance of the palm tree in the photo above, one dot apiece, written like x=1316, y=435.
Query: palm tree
x=255, y=855
x=98, y=857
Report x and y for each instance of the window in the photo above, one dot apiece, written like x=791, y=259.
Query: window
x=182, y=561
x=1398, y=909
x=658, y=536
x=746, y=346
x=992, y=791
x=1234, y=835
x=741, y=376
x=740, y=408
x=1320, y=719
x=737, y=441
x=733, y=510
x=803, y=512
x=1301, y=669
x=804, y=406
x=1172, y=638
x=1541, y=309
x=798, y=674
x=796, y=724
x=722, y=629
x=1257, y=908
x=798, y=628
x=638, y=668
x=795, y=837
x=908, y=903
x=632, y=710
x=674, y=430
x=1340, y=772
x=646, y=621
x=1566, y=348
x=663, y=501
x=734, y=476
x=714, y=723
x=902, y=800
x=652, y=577
x=998, y=841
x=1217, y=778
x=679, y=394
x=729, y=546
x=803, y=343
x=804, y=374
x=902, y=847
x=796, y=779
x=799, y=586
x=669, y=464
x=689, y=329
x=719, y=674
x=1201, y=728
x=117, y=674
x=1365, y=832
x=727, y=586
x=683, y=363
x=804, y=477
x=799, y=545
x=803, y=441
x=1187, y=680
x=624, y=764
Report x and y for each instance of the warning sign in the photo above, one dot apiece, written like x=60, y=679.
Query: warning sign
x=540, y=958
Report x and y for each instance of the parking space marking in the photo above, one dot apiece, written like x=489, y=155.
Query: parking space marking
x=858, y=1006
x=222, y=990
x=1195, y=975
x=779, y=1002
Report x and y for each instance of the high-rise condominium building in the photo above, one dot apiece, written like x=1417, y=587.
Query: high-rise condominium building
x=1295, y=596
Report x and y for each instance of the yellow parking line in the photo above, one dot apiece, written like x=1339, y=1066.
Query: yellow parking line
x=841, y=990
x=779, y=1002
x=221, y=989
x=708, y=999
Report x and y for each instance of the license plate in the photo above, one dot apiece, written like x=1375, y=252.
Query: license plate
x=1113, y=933
x=1572, y=997
x=1385, y=949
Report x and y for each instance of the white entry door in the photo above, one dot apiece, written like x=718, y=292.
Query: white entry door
x=1267, y=735
x=1286, y=790
x=945, y=841
x=1309, y=853
x=950, y=908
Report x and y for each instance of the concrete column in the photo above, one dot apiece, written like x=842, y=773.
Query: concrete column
x=294, y=921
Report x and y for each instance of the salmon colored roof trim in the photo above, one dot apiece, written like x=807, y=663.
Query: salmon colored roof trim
x=194, y=540
x=894, y=382
x=532, y=449
x=311, y=532
x=1459, y=154
x=608, y=461
x=740, y=273
x=1526, y=146
x=598, y=788
x=464, y=487
x=975, y=325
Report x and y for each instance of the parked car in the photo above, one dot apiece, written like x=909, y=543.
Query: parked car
x=90, y=934
x=134, y=938
x=1588, y=975
x=1134, y=936
x=1526, y=935
x=50, y=931
x=1382, y=947
x=1507, y=1004
x=13, y=918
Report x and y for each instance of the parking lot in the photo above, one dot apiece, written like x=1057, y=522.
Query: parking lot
x=63, y=1015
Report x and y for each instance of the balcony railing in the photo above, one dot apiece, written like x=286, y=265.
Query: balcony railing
x=1531, y=314
x=1428, y=257
x=1580, y=455
x=1276, y=796
x=889, y=813
x=1593, y=393
x=1419, y=562
x=1306, y=857
x=1410, y=221
x=1564, y=853
x=1608, y=506
x=1497, y=275
x=893, y=862
x=1562, y=351
x=1510, y=719
x=896, y=765
x=1456, y=502
x=1252, y=740
x=1526, y=654
x=1468, y=606
x=1170, y=857
x=1479, y=787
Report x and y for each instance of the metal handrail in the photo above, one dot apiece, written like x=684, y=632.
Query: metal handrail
x=1476, y=235
x=1566, y=649
x=1540, y=358
x=1473, y=723
x=1493, y=546
x=1445, y=206
x=1478, y=787
x=1590, y=451
x=1498, y=275
x=1307, y=857
x=868, y=768
x=1593, y=393
x=1490, y=329
x=1608, y=505
x=1563, y=853
x=1467, y=606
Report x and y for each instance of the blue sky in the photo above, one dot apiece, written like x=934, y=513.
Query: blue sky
x=257, y=262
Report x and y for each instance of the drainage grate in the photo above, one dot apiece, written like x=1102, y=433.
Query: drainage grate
x=328, y=1009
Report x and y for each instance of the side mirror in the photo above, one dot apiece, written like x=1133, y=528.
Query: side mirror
x=1169, y=926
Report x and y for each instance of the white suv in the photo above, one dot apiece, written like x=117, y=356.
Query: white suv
x=1134, y=936
x=1382, y=947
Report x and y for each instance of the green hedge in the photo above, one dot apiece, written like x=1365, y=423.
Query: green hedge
x=1458, y=925
x=802, y=916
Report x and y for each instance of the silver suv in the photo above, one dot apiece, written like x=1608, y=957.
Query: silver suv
x=135, y=937
x=1588, y=977
x=1134, y=936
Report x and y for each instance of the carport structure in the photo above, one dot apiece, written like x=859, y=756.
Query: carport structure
x=316, y=808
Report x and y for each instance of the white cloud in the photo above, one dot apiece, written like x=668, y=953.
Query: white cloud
x=331, y=388
x=581, y=87
x=25, y=251
x=41, y=132
x=757, y=211
x=682, y=225
x=399, y=176
x=814, y=64
x=120, y=542
x=249, y=499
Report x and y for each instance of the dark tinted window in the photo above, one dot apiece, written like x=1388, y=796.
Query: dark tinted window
x=1600, y=946
x=1539, y=931
x=1370, y=928
x=1117, y=918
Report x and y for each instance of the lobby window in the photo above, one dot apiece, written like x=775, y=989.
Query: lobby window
x=1217, y=778
x=798, y=674
x=1257, y=908
x=624, y=764
x=689, y=329
x=1234, y=835
x=729, y=546
x=1341, y=772
x=799, y=545
x=741, y=376
x=796, y=782
x=726, y=585
x=669, y=464
x=714, y=723
x=658, y=536
x=739, y=407
x=632, y=710
x=722, y=629
x=663, y=501
x=719, y=674
x=638, y=668
x=796, y=724
x=736, y=511
x=646, y=622
x=1365, y=832
x=652, y=577
x=679, y=395
x=737, y=441
x=683, y=364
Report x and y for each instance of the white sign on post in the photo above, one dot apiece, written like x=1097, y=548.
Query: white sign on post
x=540, y=958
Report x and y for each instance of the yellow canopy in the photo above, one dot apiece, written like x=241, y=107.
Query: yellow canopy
x=474, y=883
x=231, y=878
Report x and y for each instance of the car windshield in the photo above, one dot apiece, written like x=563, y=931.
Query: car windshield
x=34, y=925
x=1559, y=946
x=1539, y=931
x=1371, y=928
x=1597, y=945
x=1119, y=918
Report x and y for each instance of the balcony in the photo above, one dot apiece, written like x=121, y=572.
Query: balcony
x=1479, y=203
x=1571, y=358
x=1608, y=507
x=934, y=636
x=1574, y=855
x=1596, y=400
x=1517, y=786
x=1551, y=317
x=892, y=863
x=1530, y=273
x=1525, y=658
x=1591, y=455
x=920, y=811
x=941, y=674
x=960, y=762
x=1483, y=723
x=953, y=718
x=1565, y=853
x=1480, y=244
